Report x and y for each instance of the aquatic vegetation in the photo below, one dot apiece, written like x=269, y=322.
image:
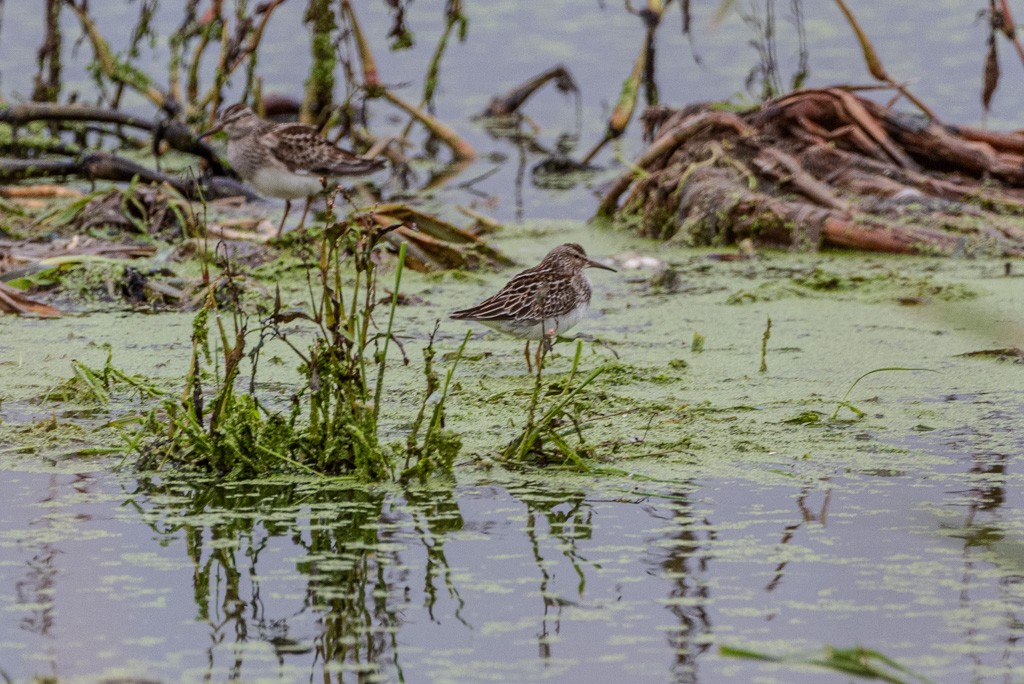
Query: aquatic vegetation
x=843, y=403
x=873, y=287
x=439, y=446
x=857, y=661
x=548, y=430
x=332, y=425
x=1012, y=354
x=764, y=346
x=94, y=385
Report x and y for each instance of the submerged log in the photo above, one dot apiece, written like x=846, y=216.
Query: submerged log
x=820, y=168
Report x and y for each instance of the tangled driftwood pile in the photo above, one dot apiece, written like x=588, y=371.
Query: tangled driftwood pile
x=825, y=168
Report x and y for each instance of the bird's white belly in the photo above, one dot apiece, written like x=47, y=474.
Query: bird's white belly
x=551, y=327
x=285, y=184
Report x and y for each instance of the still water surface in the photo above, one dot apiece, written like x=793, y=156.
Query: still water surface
x=106, y=577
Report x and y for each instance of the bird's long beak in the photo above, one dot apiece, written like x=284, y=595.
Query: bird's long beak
x=216, y=129
x=597, y=264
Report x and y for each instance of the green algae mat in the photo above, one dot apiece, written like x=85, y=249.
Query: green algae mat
x=737, y=497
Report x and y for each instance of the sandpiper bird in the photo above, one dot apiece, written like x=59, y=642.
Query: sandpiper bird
x=286, y=160
x=541, y=302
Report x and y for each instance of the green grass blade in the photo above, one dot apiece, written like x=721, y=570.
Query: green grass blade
x=888, y=369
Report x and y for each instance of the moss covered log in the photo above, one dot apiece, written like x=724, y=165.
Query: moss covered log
x=824, y=168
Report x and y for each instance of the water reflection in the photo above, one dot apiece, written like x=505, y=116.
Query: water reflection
x=435, y=514
x=683, y=557
x=349, y=612
x=988, y=495
x=36, y=586
x=550, y=576
x=350, y=544
x=328, y=577
x=37, y=568
x=568, y=519
x=992, y=540
x=986, y=538
x=806, y=516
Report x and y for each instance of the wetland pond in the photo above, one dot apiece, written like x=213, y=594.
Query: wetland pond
x=739, y=516
x=773, y=512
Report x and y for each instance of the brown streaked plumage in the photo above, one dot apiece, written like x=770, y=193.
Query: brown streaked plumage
x=286, y=160
x=541, y=302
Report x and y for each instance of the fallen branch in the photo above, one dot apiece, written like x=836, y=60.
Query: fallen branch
x=35, y=191
x=177, y=135
x=107, y=166
x=461, y=149
x=510, y=102
x=20, y=252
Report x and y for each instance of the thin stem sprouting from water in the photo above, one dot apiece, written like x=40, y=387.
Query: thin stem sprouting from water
x=383, y=364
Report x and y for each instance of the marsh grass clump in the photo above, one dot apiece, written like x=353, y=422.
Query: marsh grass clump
x=332, y=424
x=138, y=209
x=550, y=428
x=438, y=446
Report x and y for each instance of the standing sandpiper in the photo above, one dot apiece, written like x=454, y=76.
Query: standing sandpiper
x=286, y=160
x=541, y=302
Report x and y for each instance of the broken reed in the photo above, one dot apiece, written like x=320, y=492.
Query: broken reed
x=333, y=423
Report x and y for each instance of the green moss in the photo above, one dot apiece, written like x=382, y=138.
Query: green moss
x=320, y=81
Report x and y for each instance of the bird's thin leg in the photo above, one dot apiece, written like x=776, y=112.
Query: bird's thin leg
x=287, y=208
x=526, y=353
x=305, y=210
x=541, y=348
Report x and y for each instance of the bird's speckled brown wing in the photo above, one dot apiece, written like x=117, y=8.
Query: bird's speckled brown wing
x=531, y=296
x=303, y=150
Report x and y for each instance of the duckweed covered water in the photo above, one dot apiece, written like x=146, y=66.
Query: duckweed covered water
x=724, y=507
